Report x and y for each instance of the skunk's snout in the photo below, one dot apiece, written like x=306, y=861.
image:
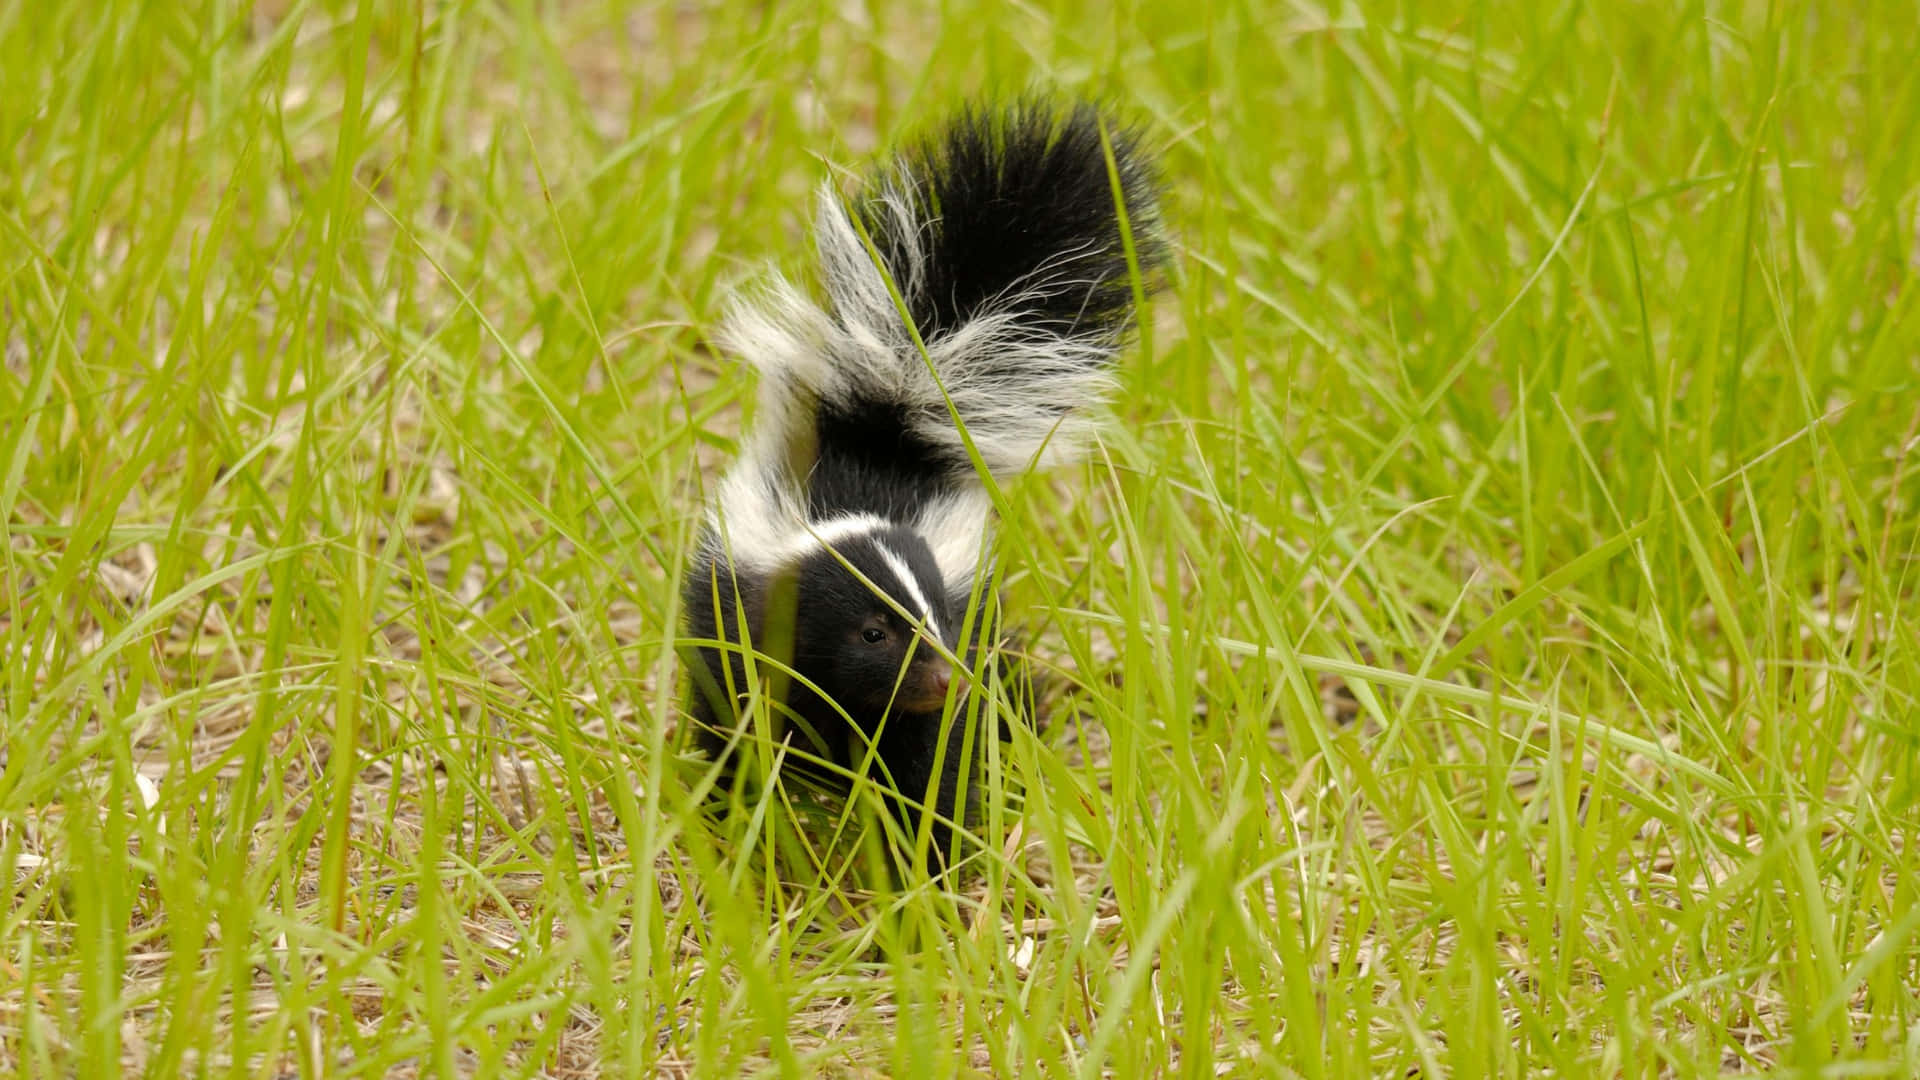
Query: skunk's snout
x=943, y=676
x=935, y=679
x=942, y=673
x=927, y=680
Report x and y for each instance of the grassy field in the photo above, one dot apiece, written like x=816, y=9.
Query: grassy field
x=1484, y=642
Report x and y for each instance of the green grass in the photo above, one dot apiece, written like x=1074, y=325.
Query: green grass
x=1486, y=635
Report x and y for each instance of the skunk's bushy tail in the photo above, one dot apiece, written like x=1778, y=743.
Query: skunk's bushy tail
x=1001, y=236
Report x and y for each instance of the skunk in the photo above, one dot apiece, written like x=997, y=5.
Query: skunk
x=848, y=543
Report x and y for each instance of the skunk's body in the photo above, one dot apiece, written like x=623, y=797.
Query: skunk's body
x=1001, y=238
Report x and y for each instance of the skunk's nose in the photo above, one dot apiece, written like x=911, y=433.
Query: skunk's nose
x=946, y=675
x=931, y=683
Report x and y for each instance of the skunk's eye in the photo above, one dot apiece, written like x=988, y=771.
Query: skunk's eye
x=873, y=635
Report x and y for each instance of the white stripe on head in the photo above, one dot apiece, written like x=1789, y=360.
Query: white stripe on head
x=782, y=543
x=838, y=530
x=832, y=533
x=910, y=583
x=761, y=520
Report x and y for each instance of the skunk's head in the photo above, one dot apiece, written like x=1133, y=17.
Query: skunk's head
x=857, y=647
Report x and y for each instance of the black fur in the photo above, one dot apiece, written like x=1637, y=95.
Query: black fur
x=1004, y=221
x=870, y=461
x=817, y=616
x=1021, y=202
